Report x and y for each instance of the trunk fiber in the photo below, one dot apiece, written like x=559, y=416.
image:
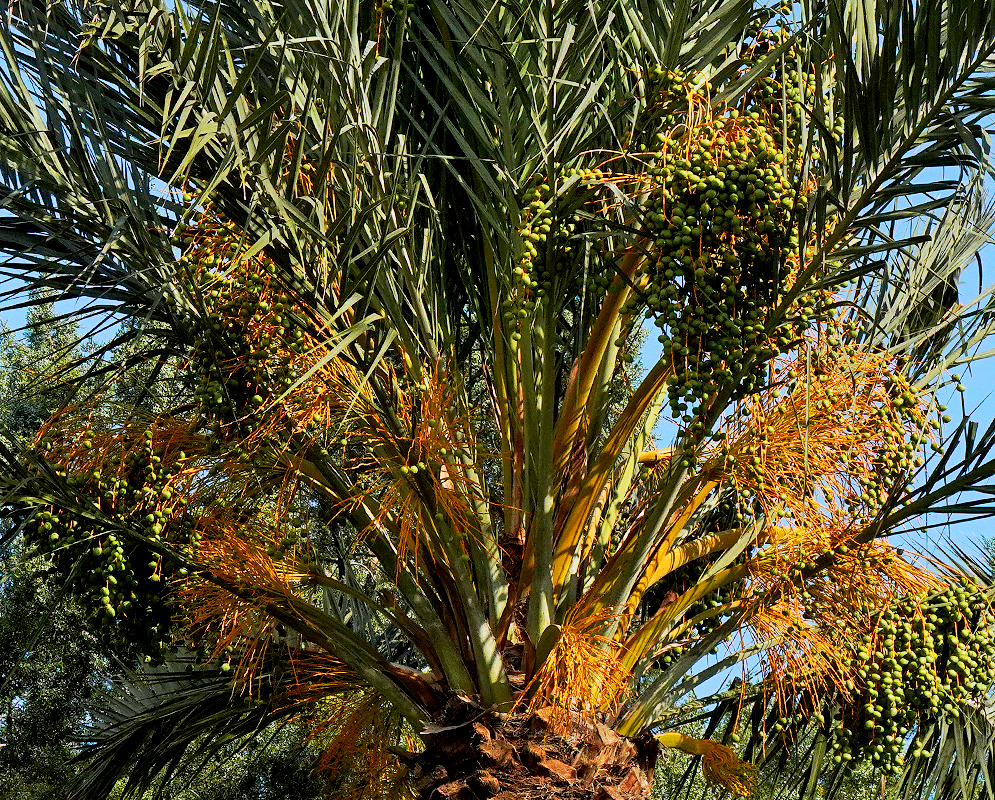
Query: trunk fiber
x=528, y=757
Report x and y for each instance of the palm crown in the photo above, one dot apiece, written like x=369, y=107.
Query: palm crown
x=384, y=268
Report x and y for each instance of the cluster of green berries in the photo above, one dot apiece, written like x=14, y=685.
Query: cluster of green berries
x=719, y=218
x=243, y=353
x=790, y=94
x=664, y=88
x=898, y=455
x=547, y=248
x=119, y=576
x=931, y=657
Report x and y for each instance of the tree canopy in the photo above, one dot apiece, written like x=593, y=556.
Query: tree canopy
x=370, y=452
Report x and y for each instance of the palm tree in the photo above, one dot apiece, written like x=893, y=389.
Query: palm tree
x=390, y=471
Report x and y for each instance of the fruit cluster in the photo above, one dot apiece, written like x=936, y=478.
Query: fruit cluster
x=897, y=456
x=135, y=490
x=244, y=353
x=547, y=236
x=844, y=413
x=719, y=218
x=930, y=656
x=791, y=94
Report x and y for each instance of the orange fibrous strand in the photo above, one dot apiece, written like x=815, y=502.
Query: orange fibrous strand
x=350, y=723
x=417, y=467
x=238, y=631
x=314, y=675
x=816, y=458
x=718, y=762
x=582, y=674
x=815, y=449
x=145, y=466
x=356, y=732
x=720, y=765
x=801, y=656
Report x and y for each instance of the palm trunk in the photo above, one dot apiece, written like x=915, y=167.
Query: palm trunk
x=472, y=756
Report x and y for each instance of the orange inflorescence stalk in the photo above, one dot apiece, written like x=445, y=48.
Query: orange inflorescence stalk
x=239, y=553
x=415, y=467
x=356, y=732
x=351, y=725
x=582, y=674
x=817, y=458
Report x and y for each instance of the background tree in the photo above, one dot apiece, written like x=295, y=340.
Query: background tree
x=51, y=666
x=382, y=263
x=54, y=672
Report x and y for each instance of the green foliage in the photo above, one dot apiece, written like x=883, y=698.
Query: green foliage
x=53, y=668
x=61, y=651
x=277, y=764
x=382, y=267
x=41, y=370
x=53, y=672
